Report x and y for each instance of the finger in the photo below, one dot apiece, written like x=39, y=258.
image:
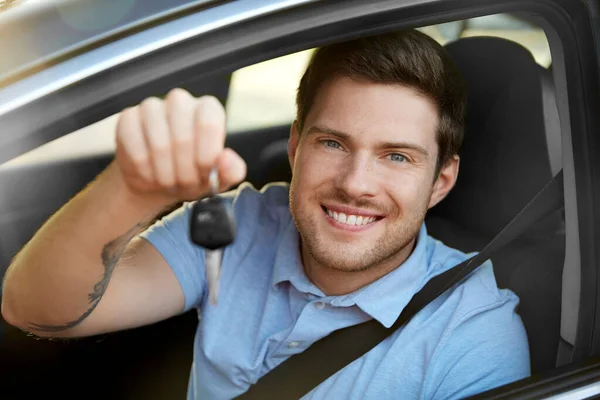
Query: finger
x=131, y=145
x=180, y=115
x=232, y=169
x=156, y=133
x=210, y=133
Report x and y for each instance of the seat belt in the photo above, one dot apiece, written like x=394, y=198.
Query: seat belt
x=299, y=374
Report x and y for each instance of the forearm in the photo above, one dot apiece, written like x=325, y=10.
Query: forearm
x=60, y=276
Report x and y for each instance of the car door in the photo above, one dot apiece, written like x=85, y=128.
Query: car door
x=153, y=362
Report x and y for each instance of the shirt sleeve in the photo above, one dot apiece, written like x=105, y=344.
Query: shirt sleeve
x=170, y=236
x=488, y=348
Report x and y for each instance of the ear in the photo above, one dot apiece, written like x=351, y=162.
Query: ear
x=293, y=143
x=445, y=181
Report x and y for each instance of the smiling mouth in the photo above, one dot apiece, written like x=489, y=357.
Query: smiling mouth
x=350, y=219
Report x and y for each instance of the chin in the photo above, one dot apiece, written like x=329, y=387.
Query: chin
x=344, y=257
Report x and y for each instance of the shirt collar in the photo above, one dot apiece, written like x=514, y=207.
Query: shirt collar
x=383, y=299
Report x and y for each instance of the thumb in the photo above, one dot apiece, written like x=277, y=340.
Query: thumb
x=232, y=168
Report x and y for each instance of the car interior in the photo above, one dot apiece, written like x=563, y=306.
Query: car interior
x=512, y=148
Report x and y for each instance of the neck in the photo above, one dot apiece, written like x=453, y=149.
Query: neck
x=336, y=282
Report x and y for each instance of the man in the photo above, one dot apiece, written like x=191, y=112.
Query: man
x=374, y=146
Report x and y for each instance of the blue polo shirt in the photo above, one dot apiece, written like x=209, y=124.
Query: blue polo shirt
x=467, y=341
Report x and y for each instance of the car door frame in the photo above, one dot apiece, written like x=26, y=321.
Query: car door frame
x=302, y=25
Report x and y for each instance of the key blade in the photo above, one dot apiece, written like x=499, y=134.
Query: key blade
x=213, y=271
x=213, y=179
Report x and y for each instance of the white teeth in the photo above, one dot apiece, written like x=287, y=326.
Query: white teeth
x=350, y=219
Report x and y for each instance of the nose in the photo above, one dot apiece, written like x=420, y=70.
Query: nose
x=357, y=176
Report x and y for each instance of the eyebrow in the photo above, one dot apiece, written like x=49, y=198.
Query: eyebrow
x=385, y=145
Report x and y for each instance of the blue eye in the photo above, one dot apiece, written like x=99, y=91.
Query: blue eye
x=332, y=144
x=397, y=157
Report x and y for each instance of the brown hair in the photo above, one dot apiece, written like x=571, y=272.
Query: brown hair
x=408, y=58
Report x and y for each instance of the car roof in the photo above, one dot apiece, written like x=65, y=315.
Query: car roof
x=44, y=32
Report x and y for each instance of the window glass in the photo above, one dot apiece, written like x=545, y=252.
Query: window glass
x=6, y=4
x=505, y=26
x=97, y=138
x=263, y=95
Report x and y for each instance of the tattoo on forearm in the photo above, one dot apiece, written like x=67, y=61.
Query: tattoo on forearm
x=110, y=255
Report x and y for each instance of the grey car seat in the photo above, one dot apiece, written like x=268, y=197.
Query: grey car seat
x=504, y=163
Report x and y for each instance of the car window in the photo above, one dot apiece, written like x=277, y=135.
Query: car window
x=505, y=26
x=97, y=138
x=263, y=95
x=6, y=4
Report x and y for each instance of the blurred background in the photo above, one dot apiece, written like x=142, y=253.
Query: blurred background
x=6, y=4
x=263, y=94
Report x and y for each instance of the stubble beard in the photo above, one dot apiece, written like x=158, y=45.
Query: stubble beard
x=354, y=257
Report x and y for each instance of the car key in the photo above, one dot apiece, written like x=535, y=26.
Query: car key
x=212, y=227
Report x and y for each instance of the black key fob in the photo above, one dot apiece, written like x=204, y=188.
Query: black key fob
x=212, y=224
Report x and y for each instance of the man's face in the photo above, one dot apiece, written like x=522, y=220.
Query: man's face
x=363, y=173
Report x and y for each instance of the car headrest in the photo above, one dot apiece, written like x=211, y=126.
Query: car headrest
x=504, y=158
x=274, y=164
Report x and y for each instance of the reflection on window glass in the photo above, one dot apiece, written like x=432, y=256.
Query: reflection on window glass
x=263, y=95
x=6, y=4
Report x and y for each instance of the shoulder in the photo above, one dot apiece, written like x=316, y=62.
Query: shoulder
x=261, y=216
x=485, y=347
x=254, y=211
x=245, y=200
x=483, y=343
x=270, y=201
x=478, y=289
